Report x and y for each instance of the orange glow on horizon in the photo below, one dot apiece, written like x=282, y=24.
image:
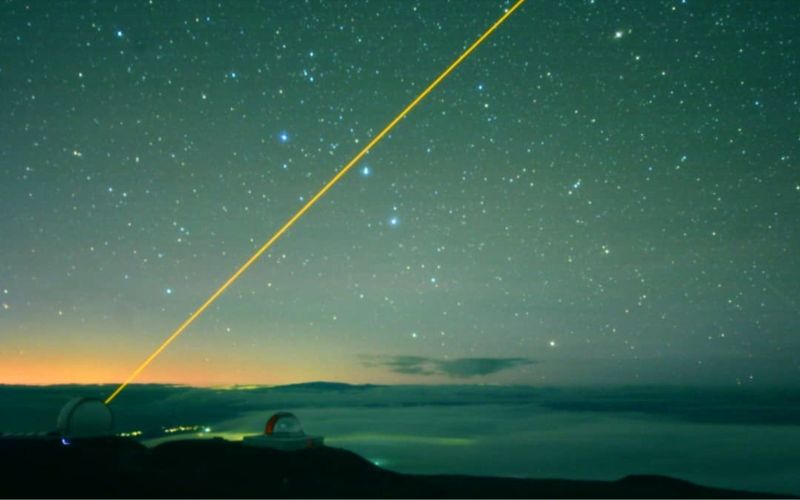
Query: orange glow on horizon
x=54, y=368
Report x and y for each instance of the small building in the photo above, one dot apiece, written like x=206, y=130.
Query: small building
x=284, y=432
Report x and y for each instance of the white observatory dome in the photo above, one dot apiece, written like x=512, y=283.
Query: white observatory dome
x=85, y=418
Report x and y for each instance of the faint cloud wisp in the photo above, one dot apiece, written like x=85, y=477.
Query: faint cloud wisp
x=456, y=368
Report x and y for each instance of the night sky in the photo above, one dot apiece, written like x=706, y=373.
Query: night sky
x=606, y=192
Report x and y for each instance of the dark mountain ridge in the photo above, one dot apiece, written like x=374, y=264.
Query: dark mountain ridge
x=216, y=468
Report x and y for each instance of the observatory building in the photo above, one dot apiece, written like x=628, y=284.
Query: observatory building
x=85, y=418
x=284, y=432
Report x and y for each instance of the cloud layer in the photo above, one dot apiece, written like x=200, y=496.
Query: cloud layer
x=456, y=368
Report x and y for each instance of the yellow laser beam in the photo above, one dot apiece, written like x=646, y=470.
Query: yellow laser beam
x=312, y=201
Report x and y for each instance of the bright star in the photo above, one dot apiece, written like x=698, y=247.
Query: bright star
x=284, y=137
x=119, y=33
x=366, y=171
x=394, y=221
x=168, y=291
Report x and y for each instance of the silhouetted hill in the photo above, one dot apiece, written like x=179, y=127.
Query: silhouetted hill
x=116, y=467
x=325, y=386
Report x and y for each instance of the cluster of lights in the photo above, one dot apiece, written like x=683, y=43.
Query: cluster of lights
x=187, y=428
x=130, y=434
x=238, y=387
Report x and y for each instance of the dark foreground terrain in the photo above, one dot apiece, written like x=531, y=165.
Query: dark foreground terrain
x=117, y=467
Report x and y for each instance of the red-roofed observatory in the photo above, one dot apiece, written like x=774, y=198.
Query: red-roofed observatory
x=284, y=432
